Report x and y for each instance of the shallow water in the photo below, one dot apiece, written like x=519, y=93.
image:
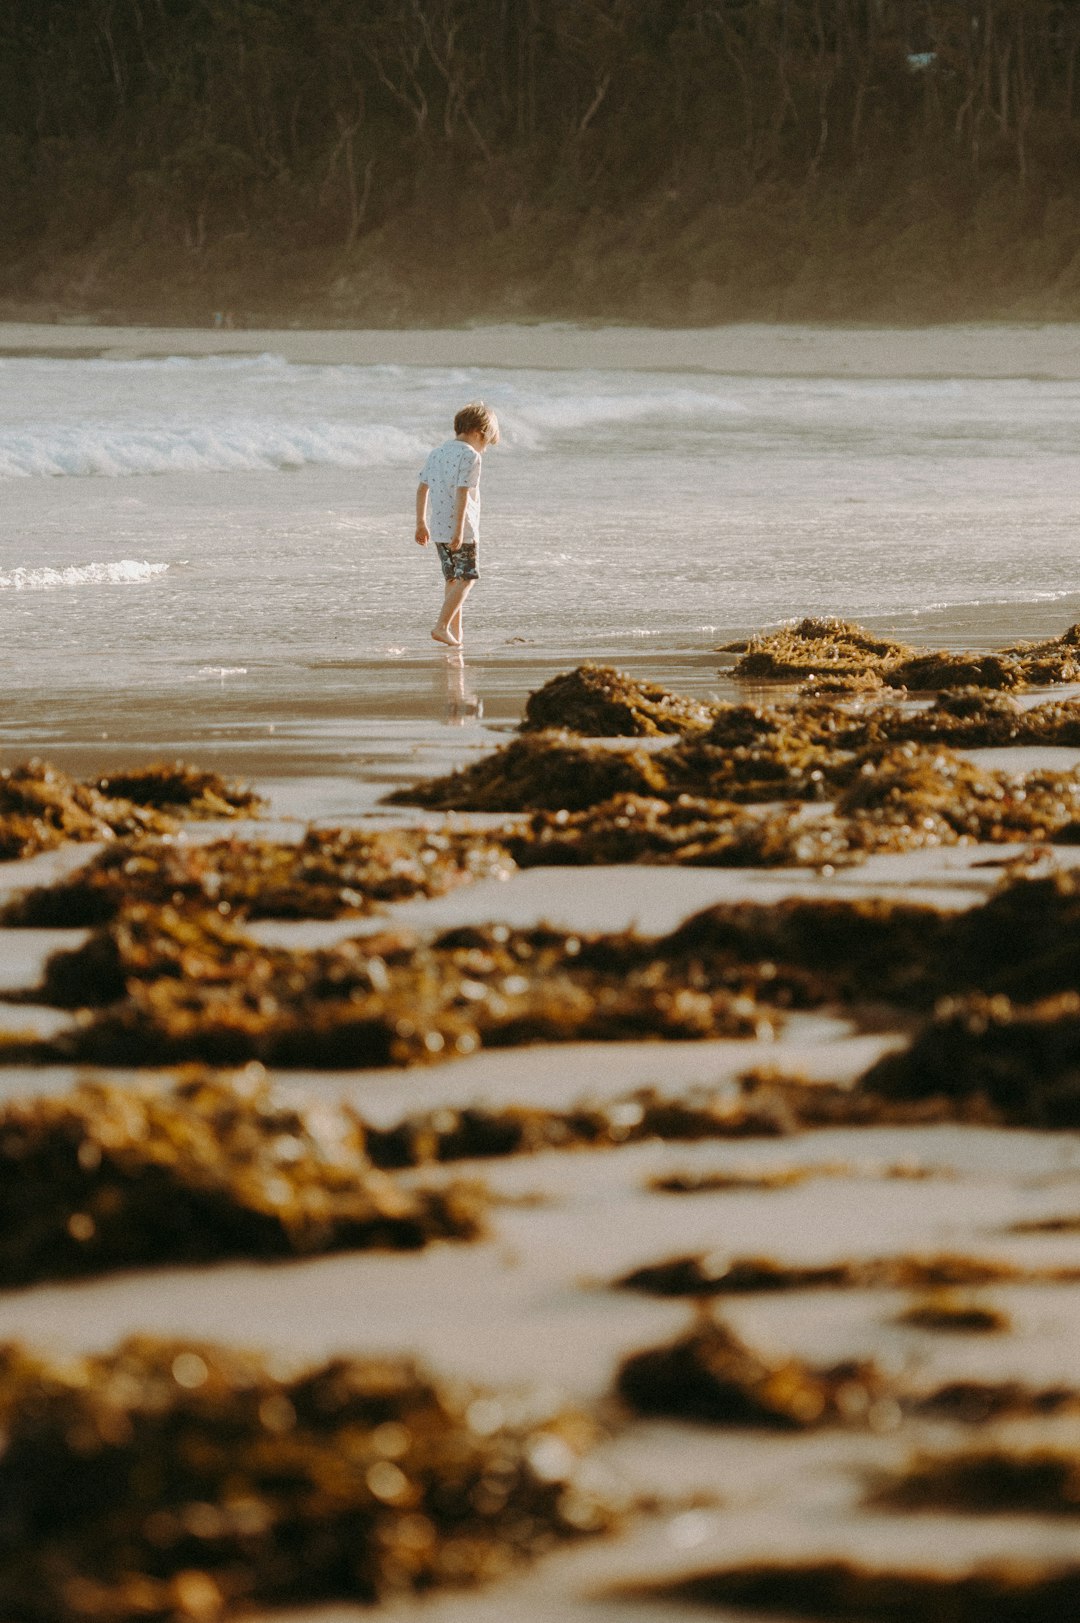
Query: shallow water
x=197, y=550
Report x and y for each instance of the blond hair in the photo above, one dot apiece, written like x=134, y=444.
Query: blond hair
x=476, y=418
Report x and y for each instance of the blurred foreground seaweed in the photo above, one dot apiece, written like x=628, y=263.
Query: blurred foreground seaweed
x=329, y=874
x=1027, y=1592
x=40, y=807
x=709, y=1375
x=172, y=1481
x=111, y=1177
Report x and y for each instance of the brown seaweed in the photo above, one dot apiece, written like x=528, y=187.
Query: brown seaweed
x=600, y=702
x=211, y=1166
x=330, y=873
x=904, y=800
x=186, y=790
x=986, y=1481
x=549, y=771
x=40, y=806
x=845, y=653
x=108, y=1177
x=1023, y=1059
x=708, y=1274
x=174, y=986
x=682, y=803
x=819, y=647
x=953, y=1314
x=688, y=831
x=710, y=1375
x=1020, y=1593
x=175, y=1480
x=177, y=984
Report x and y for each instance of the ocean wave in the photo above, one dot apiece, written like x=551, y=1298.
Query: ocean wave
x=231, y=446
x=994, y=602
x=584, y=411
x=125, y=572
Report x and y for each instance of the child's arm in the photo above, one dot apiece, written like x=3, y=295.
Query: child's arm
x=462, y=498
x=423, y=534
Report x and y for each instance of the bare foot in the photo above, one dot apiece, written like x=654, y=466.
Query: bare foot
x=446, y=640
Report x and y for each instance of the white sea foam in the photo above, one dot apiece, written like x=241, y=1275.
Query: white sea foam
x=228, y=446
x=124, y=572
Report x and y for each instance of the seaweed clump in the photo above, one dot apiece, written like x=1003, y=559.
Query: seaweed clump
x=1023, y=1059
x=40, y=807
x=688, y=831
x=172, y=1480
x=174, y=986
x=820, y=647
x=717, y=1274
x=953, y=1314
x=112, y=1176
x=847, y=656
x=904, y=800
x=600, y=702
x=1003, y=1593
x=331, y=873
x=548, y=771
x=108, y=1177
x=710, y=1375
x=989, y=1481
x=185, y=790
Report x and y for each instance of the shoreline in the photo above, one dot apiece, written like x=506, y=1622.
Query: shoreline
x=1039, y=352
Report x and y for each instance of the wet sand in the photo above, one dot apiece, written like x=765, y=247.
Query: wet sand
x=984, y=351
x=530, y=1305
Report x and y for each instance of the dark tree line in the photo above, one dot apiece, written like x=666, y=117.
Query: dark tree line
x=403, y=157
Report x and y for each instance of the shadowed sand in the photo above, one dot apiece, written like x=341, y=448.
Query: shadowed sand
x=984, y=351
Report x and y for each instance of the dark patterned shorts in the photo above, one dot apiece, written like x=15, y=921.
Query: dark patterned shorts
x=459, y=565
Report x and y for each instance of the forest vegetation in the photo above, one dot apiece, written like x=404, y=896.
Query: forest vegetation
x=383, y=162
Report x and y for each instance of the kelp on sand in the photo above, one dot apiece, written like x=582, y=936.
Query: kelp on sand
x=112, y=1177
x=847, y=654
x=1023, y=1592
x=330, y=873
x=40, y=806
x=599, y=702
x=168, y=1481
x=174, y=985
x=170, y=984
x=886, y=798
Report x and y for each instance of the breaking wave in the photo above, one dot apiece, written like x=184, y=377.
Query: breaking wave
x=125, y=572
x=234, y=446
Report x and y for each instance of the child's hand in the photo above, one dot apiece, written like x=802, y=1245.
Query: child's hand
x=457, y=543
x=423, y=535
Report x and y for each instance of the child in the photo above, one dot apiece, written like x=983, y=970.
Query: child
x=451, y=479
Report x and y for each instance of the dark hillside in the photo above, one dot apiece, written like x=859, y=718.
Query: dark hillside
x=392, y=161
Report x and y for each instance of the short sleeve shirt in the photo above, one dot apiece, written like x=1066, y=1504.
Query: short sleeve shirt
x=447, y=469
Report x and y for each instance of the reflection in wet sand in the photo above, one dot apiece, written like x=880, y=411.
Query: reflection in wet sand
x=462, y=702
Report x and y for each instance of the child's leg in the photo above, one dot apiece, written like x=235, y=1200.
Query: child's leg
x=454, y=623
x=444, y=630
x=448, y=628
x=441, y=629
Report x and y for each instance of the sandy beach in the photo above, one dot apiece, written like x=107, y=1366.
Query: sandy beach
x=1050, y=351
x=531, y=1305
x=969, y=1215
